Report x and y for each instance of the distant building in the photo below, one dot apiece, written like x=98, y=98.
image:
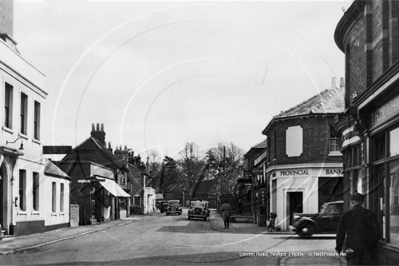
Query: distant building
x=368, y=35
x=253, y=184
x=34, y=193
x=304, y=161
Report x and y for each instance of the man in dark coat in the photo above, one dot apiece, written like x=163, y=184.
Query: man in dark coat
x=362, y=231
x=226, y=213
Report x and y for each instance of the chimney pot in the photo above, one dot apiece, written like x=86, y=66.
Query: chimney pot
x=102, y=127
x=333, y=83
x=342, y=82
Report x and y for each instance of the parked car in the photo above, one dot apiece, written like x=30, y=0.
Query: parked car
x=174, y=207
x=326, y=221
x=198, y=209
x=162, y=205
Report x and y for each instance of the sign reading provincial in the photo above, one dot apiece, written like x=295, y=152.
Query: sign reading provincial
x=57, y=149
x=294, y=172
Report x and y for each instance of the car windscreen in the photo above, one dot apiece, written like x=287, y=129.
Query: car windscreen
x=198, y=204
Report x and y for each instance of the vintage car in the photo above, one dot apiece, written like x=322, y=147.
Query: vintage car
x=161, y=205
x=198, y=209
x=326, y=221
x=173, y=207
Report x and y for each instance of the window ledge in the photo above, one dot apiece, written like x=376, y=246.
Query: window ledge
x=23, y=136
x=335, y=153
x=36, y=141
x=54, y=214
x=9, y=130
x=35, y=213
x=22, y=212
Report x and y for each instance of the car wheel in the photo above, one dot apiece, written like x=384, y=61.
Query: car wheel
x=306, y=231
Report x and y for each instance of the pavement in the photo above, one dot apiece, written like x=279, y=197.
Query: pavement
x=318, y=258
x=34, y=241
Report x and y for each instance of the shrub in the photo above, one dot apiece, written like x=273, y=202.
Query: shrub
x=135, y=209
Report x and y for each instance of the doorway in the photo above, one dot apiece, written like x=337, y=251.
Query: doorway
x=295, y=204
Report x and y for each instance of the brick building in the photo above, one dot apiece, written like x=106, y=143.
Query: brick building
x=368, y=35
x=98, y=180
x=254, y=184
x=304, y=162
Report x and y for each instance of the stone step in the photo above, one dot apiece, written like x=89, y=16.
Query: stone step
x=7, y=237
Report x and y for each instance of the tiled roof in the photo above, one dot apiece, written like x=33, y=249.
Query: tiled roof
x=52, y=170
x=103, y=156
x=261, y=145
x=327, y=101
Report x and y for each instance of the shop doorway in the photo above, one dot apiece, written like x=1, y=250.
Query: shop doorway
x=295, y=204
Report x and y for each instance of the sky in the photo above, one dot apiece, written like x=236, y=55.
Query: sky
x=160, y=74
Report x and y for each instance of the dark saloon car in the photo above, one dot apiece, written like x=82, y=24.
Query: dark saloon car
x=326, y=221
x=198, y=209
x=173, y=207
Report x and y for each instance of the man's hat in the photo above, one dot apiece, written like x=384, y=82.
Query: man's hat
x=357, y=196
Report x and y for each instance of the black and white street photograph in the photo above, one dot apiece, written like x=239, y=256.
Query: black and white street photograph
x=231, y=132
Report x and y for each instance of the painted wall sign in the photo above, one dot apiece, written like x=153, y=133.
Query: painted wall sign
x=386, y=111
x=335, y=171
x=294, y=172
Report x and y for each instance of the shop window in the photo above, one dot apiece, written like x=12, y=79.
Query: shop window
x=22, y=190
x=8, y=104
x=393, y=202
x=394, y=142
x=137, y=200
x=36, y=121
x=379, y=147
x=24, y=113
x=35, y=191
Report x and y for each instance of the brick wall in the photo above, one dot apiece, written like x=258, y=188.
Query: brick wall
x=316, y=133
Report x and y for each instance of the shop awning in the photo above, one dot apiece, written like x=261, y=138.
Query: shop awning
x=113, y=187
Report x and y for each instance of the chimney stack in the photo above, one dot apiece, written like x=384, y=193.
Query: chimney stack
x=98, y=134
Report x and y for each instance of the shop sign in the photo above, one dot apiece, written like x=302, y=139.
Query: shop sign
x=294, y=172
x=334, y=171
x=386, y=111
x=263, y=197
x=350, y=135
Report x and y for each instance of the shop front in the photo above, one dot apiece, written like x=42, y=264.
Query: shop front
x=380, y=180
x=302, y=189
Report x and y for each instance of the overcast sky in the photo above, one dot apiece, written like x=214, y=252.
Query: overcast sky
x=160, y=74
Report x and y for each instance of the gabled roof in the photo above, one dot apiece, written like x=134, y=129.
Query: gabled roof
x=85, y=151
x=261, y=145
x=329, y=101
x=325, y=102
x=52, y=170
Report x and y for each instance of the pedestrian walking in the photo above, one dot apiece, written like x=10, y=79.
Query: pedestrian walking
x=362, y=231
x=226, y=213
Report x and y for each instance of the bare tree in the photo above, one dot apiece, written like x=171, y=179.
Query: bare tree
x=190, y=166
x=224, y=163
